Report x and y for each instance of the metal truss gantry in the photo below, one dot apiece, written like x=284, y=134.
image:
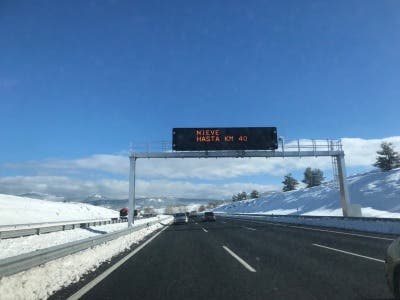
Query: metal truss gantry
x=299, y=148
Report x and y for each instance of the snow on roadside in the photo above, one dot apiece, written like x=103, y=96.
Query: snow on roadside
x=43, y=281
x=17, y=210
x=16, y=246
x=377, y=192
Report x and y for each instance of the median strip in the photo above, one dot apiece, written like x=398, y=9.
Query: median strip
x=240, y=260
x=349, y=253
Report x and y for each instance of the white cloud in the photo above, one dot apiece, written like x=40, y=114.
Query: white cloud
x=359, y=153
x=157, y=177
x=80, y=189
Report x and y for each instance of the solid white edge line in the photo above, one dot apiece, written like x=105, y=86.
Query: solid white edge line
x=345, y=233
x=102, y=276
x=205, y=230
x=350, y=253
x=244, y=264
x=322, y=230
x=249, y=228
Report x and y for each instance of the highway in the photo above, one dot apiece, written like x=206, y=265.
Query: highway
x=241, y=259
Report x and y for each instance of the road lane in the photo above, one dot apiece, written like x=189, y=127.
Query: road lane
x=183, y=262
x=187, y=262
x=357, y=243
x=286, y=257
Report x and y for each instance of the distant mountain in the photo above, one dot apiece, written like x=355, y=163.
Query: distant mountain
x=155, y=202
x=158, y=203
x=42, y=196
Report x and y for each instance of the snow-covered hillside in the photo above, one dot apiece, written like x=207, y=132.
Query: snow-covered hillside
x=377, y=192
x=22, y=210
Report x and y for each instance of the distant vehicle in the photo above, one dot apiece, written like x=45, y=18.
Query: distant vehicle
x=123, y=213
x=392, y=267
x=193, y=214
x=180, y=218
x=209, y=216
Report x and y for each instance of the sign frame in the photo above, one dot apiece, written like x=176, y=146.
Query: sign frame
x=224, y=138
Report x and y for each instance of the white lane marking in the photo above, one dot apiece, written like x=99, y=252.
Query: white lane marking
x=350, y=253
x=223, y=222
x=322, y=230
x=244, y=264
x=205, y=230
x=249, y=228
x=103, y=275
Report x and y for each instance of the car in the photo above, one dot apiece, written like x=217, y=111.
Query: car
x=392, y=267
x=193, y=214
x=209, y=216
x=123, y=213
x=180, y=218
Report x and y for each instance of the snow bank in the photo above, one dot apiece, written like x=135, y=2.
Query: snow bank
x=16, y=246
x=21, y=210
x=43, y=281
x=377, y=192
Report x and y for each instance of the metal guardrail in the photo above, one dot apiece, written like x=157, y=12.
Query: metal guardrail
x=390, y=226
x=19, y=263
x=62, y=222
x=397, y=220
x=6, y=234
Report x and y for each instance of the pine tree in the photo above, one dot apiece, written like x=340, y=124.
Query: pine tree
x=242, y=196
x=387, y=158
x=254, y=194
x=313, y=177
x=289, y=183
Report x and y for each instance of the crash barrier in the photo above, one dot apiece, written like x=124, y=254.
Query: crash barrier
x=40, y=228
x=19, y=263
x=368, y=224
x=8, y=231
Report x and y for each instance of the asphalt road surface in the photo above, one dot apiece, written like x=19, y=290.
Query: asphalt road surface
x=240, y=259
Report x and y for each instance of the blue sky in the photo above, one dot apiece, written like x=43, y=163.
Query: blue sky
x=81, y=78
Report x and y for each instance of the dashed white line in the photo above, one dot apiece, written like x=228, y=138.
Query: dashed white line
x=249, y=228
x=244, y=264
x=103, y=275
x=350, y=253
x=205, y=230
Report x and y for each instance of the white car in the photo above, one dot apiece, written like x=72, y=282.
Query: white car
x=180, y=218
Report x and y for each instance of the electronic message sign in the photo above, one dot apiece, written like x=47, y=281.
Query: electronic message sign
x=239, y=138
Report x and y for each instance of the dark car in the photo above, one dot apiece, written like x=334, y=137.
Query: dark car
x=392, y=267
x=209, y=217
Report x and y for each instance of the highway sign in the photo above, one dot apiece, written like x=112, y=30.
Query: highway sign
x=238, y=138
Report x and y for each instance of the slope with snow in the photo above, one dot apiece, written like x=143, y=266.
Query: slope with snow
x=377, y=192
x=22, y=210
